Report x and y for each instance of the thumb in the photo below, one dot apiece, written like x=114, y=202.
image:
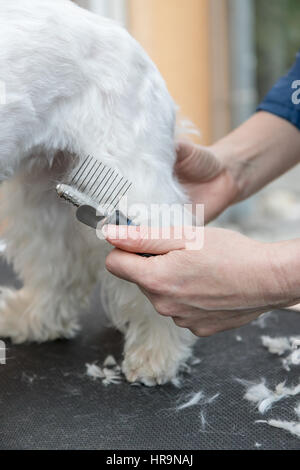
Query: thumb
x=150, y=240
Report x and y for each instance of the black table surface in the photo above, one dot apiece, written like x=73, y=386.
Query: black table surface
x=48, y=402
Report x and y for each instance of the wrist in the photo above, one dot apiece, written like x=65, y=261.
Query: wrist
x=253, y=153
x=283, y=266
x=233, y=166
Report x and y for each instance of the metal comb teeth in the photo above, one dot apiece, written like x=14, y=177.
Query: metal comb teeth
x=98, y=183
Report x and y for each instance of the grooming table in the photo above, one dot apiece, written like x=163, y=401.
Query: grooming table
x=48, y=402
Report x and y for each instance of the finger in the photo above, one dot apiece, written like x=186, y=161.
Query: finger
x=196, y=163
x=152, y=240
x=184, y=149
x=127, y=266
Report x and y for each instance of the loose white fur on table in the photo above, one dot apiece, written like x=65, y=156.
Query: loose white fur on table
x=264, y=397
x=197, y=398
x=260, y=394
x=109, y=373
x=292, y=359
x=78, y=84
x=192, y=401
x=280, y=345
x=291, y=426
x=110, y=361
x=94, y=371
x=276, y=345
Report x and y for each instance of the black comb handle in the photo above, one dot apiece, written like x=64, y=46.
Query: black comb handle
x=88, y=215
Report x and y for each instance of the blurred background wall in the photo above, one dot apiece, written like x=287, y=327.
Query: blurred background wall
x=219, y=58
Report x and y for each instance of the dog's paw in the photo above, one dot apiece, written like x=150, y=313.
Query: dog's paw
x=149, y=367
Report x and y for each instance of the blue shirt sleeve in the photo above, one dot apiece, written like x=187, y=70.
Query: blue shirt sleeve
x=283, y=99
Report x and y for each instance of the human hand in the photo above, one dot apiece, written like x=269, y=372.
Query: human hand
x=224, y=285
x=206, y=180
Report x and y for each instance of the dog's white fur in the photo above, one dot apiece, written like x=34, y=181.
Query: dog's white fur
x=78, y=84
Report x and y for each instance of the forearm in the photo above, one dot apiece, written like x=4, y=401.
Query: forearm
x=260, y=150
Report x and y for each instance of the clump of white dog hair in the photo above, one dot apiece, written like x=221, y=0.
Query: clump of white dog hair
x=263, y=397
x=280, y=345
x=109, y=373
x=292, y=427
x=291, y=359
x=260, y=394
x=94, y=371
x=276, y=345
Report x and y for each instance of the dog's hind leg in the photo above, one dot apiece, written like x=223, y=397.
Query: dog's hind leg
x=155, y=348
x=46, y=248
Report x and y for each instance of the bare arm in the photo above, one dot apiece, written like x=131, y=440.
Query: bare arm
x=260, y=150
x=237, y=166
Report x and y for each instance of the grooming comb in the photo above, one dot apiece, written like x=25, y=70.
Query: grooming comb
x=96, y=190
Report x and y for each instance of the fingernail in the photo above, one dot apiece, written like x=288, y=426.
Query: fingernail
x=109, y=231
x=104, y=231
x=114, y=231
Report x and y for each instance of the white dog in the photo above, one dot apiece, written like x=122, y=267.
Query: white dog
x=73, y=84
